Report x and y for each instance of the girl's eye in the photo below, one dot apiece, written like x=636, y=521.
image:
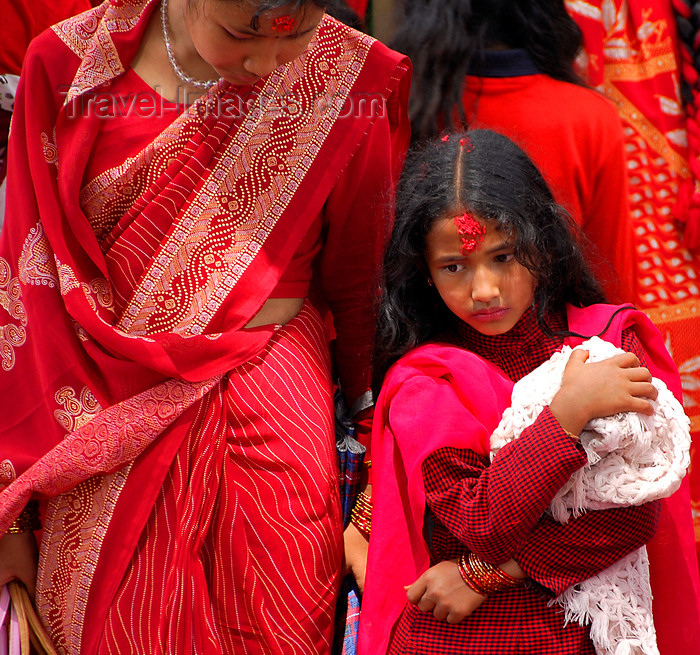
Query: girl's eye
x=505, y=258
x=452, y=268
x=238, y=36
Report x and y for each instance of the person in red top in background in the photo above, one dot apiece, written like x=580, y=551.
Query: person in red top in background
x=359, y=7
x=22, y=20
x=507, y=65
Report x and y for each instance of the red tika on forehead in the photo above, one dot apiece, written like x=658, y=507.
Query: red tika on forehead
x=283, y=24
x=469, y=229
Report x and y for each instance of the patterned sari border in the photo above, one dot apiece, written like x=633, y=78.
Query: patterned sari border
x=680, y=312
x=89, y=37
x=84, y=557
x=112, y=438
x=651, y=134
x=254, y=222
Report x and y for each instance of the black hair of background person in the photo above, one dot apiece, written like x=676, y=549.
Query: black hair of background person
x=443, y=37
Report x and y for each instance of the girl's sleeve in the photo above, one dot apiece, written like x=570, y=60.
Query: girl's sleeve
x=558, y=556
x=553, y=554
x=493, y=509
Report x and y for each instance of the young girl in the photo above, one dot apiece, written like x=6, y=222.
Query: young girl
x=483, y=275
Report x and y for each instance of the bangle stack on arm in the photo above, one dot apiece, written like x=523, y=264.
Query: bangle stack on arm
x=484, y=578
x=361, y=515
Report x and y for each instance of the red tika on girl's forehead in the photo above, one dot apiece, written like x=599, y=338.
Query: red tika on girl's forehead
x=469, y=229
x=283, y=24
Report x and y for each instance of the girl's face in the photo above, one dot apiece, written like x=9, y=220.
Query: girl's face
x=222, y=36
x=488, y=288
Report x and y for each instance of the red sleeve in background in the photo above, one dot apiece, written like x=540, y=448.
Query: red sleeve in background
x=22, y=20
x=359, y=7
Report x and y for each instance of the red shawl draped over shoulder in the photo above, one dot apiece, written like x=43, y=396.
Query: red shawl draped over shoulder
x=104, y=349
x=398, y=553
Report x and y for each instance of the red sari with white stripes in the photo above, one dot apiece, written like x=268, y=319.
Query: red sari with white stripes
x=188, y=462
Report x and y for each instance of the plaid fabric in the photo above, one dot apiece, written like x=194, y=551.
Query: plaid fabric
x=351, y=455
x=498, y=511
x=347, y=618
x=352, y=624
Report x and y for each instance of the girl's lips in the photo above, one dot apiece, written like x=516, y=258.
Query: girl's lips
x=490, y=314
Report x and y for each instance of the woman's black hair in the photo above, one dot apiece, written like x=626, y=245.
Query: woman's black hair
x=442, y=37
x=487, y=175
x=262, y=6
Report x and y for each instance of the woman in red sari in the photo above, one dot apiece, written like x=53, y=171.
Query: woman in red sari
x=193, y=187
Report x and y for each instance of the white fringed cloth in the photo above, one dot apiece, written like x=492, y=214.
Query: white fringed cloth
x=632, y=459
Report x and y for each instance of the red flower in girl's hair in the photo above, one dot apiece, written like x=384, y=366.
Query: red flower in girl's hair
x=283, y=24
x=469, y=229
x=466, y=143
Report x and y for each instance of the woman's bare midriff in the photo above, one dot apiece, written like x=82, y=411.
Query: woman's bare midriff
x=277, y=311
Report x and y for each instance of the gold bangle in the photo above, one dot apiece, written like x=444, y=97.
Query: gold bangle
x=361, y=515
x=27, y=521
x=484, y=578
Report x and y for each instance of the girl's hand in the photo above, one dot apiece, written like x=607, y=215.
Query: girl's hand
x=356, y=547
x=598, y=389
x=19, y=556
x=442, y=591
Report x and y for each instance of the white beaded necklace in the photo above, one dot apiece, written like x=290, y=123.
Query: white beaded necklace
x=191, y=81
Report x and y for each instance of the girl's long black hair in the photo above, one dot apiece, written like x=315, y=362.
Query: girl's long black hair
x=443, y=36
x=485, y=174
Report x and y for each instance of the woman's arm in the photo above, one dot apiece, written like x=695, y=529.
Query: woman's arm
x=18, y=559
x=356, y=226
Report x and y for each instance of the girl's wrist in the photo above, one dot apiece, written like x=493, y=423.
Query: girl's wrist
x=570, y=418
x=483, y=578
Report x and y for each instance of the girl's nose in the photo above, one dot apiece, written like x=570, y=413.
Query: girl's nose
x=484, y=286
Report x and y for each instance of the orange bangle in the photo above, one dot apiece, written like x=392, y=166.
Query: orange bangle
x=361, y=515
x=484, y=578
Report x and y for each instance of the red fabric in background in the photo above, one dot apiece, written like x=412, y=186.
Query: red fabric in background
x=574, y=137
x=359, y=7
x=631, y=54
x=22, y=20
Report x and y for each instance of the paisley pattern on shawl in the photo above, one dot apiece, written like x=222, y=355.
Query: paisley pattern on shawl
x=631, y=55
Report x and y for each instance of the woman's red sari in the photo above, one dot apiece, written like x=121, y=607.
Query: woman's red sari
x=189, y=461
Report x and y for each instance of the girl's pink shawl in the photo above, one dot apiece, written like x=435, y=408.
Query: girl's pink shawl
x=398, y=553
